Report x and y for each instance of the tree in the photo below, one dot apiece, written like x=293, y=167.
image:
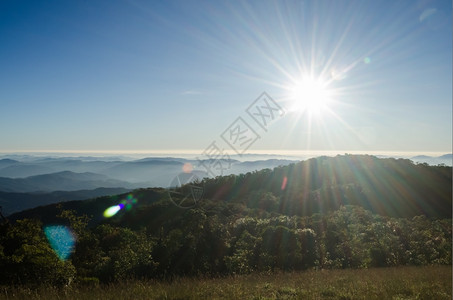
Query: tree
x=26, y=257
x=243, y=257
x=281, y=248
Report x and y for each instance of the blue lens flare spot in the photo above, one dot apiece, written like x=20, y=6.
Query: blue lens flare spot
x=112, y=210
x=61, y=240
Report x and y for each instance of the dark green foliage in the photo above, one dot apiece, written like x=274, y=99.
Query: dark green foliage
x=281, y=248
x=197, y=243
x=114, y=253
x=27, y=258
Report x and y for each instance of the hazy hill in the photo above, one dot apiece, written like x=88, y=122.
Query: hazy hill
x=147, y=172
x=41, y=166
x=6, y=162
x=250, y=166
x=153, y=172
x=446, y=156
x=62, y=181
x=88, y=173
x=21, y=170
x=446, y=159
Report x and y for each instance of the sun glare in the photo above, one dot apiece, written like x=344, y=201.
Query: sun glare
x=309, y=95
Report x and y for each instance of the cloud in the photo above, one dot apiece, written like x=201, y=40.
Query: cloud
x=427, y=13
x=191, y=92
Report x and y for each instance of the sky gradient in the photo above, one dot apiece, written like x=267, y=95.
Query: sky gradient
x=174, y=75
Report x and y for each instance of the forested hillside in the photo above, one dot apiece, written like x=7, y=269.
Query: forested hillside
x=342, y=212
x=389, y=187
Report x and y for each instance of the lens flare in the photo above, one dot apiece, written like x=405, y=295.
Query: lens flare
x=112, y=210
x=187, y=168
x=124, y=204
x=61, y=239
x=284, y=182
x=128, y=202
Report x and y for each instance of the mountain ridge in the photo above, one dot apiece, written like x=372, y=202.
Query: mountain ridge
x=385, y=186
x=16, y=202
x=60, y=181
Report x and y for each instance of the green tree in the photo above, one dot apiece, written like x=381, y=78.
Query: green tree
x=281, y=248
x=26, y=257
x=243, y=258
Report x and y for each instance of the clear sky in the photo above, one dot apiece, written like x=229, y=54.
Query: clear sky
x=159, y=75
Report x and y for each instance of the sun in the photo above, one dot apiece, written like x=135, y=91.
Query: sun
x=310, y=95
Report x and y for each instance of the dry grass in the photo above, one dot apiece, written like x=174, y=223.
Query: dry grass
x=433, y=282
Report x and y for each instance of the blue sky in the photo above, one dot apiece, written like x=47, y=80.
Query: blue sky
x=174, y=75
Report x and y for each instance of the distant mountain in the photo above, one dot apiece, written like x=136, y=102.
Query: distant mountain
x=388, y=187
x=61, y=181
x=248, y=166
x=21, y=170
x=18, y=179
x=422, y=157
x=155, y=173
x=146, y=172
x=41, y=166
x=162, y=159
x=6, y=162
x=446, y=159
x=15, y=202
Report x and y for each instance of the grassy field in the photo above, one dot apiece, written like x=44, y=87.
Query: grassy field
x=386, y=283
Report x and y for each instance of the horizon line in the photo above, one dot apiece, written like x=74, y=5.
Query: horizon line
x=270, y=152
